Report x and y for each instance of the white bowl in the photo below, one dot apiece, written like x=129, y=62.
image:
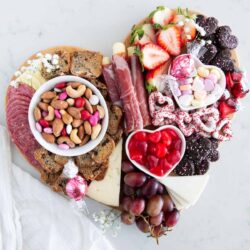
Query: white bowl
x=221, y=83
x=78, y=150
x=143, y=168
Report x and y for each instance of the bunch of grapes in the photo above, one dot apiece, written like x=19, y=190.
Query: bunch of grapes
x=146, y=202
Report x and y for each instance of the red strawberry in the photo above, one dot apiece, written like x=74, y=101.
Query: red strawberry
x=229, y=81
x=143, y=35
x=162, y=15
x=152, y=74
x=239, y=90
x=153, y=56
x=170, y=40
x=226, y=110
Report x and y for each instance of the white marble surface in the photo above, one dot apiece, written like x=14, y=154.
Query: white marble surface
x=221, y=218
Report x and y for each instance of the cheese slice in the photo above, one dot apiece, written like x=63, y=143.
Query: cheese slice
x=185, y=189
x=107, y=191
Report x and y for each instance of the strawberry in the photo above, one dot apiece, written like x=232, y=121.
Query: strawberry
x=226, y=110
x=162, y=16
x=153, y=56
x=170, y=40
x=189, y=31
x=152, y=74
x=143, y=35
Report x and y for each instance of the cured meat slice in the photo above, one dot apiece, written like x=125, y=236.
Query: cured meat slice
x=110, y=80
x=137, y=77
x=18, y=100
x=133, y=118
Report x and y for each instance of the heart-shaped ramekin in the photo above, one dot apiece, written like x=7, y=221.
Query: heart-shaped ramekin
x=143, y=168
x=222, y=83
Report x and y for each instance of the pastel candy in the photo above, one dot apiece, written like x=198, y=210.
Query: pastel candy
x=198, y=84
x=199, y=95
x=187, y=92
x=216, y=72
x=197, y=103
x=186, y=100
x=185, y=87
x=209, y=85
x=213, y=77
x=185, y=81
x=203, y=72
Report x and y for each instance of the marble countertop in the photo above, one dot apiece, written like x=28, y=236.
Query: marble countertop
x=221, y=218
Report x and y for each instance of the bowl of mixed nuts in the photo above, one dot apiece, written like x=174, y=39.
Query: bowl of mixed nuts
x=68, y=116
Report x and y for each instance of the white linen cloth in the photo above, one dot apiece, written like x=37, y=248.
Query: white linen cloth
x=32, y=217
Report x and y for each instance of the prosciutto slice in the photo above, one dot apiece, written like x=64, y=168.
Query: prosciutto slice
x=133, y=118
x=138, y=81
x=110, y=80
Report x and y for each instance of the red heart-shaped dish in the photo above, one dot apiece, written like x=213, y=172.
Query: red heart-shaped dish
x=156, y=152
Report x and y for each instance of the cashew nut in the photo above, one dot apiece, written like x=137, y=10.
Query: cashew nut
x=51, y=114
x=65, y=139
x=58, y=104
x=75, y=93
x=37, y=114
x=74, y=137
x=101, y=111
x=57, y=127
x=75, y=112
x=96, y=131
x=74, y=85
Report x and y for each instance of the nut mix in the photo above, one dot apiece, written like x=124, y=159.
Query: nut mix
x=69, y=115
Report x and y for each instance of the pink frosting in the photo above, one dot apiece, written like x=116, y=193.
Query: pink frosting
x=76, y=188
x=183, y=67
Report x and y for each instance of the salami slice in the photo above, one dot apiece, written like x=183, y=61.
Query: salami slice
x=133, y=118
x=18, y=100
x=110, y=80
x=137, y=77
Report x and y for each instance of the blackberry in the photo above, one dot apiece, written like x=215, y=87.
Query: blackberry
x=185, y=167
x=202, y=167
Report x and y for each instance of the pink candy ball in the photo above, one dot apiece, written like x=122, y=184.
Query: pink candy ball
x=63, y=146
x=63, y=96
x=58, y=114
x=209, y=85
x=94, y=119
x=76, y=188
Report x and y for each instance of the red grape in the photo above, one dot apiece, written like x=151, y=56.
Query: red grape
x=160, y=189
x=154, y=205
x=127, y=218
x=126, y=203
x=157, y=231
x=142, y=225
x=150, y=187
x=172, y=218
x=156, y=220
x=168, y=205
x=137, y=206
x=127, y=190
x=135, y=179
x=127, y=167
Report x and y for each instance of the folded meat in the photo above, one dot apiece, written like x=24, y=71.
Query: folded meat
x=17, y=106
x=110, y=80
x=138, y=81
x=133, y=118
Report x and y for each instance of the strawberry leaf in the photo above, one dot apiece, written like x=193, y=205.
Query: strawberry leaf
x=136, y=32
x=138, y=52
x=150, y=87
x=154, y=11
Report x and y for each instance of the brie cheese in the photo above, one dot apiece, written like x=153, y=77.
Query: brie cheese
x=107, y=191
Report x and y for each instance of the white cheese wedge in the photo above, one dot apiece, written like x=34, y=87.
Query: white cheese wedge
x=107, y=191
x=186, y=190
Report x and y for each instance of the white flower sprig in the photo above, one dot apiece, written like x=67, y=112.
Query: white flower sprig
x=108, y=219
